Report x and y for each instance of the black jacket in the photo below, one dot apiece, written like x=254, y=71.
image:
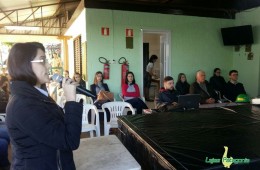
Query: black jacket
x=196, y=89
x=41, y=134
x=218, y=83
x=93, y=89
x=233, y=90
x=165, y=98
x=182, y=88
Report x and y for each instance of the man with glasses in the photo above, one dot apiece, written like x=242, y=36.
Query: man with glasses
x=233, y=87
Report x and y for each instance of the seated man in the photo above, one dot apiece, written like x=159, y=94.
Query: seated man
x=167, y=99
x=202, y=87
x=233, y=88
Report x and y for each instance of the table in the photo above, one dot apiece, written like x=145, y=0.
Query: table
x=104, y=153
x=190, y=139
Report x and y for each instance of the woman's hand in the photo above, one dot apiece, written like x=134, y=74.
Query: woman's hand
x=69, y=92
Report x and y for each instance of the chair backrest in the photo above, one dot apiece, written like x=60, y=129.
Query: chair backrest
x=121, y=96
x=86, y=109
x=2, y=117
x=86, y=99
x=117, y=109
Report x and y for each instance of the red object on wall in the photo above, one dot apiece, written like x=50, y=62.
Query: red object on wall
x=129, y=32
x=106, y=71
x=105, y=31
x=125, y=69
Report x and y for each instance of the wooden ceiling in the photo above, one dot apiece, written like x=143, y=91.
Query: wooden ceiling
x=204, y=8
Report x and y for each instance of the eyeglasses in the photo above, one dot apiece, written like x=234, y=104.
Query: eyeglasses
x=43, y=61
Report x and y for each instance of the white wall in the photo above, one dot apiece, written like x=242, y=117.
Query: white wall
x=77, y=28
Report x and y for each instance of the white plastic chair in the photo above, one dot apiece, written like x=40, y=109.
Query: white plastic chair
x=115, y=109
x=122, y=98
x=90, y=127
x=86, y=99
x=2, y=117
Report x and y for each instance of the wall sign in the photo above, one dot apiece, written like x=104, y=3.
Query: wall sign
x=105, y=31
x=129, y=32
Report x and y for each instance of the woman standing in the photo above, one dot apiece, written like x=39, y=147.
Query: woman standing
x=131, y=93
x=182, y=86
x=42, y=136
x=148, y=76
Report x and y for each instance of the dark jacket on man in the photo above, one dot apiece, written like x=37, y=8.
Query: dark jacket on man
x=196, y=89
x=42, y=136
x=165, y=98
x=233, y=90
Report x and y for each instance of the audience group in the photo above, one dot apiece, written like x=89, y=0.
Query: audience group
x=166, y=100
x=210, y=92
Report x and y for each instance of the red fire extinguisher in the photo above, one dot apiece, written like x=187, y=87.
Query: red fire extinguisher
x=106, y=67
x=124, y=68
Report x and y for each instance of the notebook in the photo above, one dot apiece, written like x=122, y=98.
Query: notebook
x=189, y=101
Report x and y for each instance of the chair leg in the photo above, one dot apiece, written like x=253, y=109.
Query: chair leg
x=91, y=134
x=97, y=131
x=106, y=130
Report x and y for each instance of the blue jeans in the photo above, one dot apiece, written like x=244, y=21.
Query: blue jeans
x=4, y=141
x=3, y=153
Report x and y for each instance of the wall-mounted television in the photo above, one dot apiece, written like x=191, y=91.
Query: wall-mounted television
x=239, y=35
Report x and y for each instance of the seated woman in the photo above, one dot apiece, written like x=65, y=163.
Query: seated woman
x=182, y=86
x=131, y=93
x=97, y=87
x=79, y=81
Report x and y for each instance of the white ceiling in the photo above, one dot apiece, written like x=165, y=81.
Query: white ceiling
x=50, y=15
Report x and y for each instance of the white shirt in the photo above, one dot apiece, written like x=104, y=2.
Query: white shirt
x=149, y=67
x=42, y=91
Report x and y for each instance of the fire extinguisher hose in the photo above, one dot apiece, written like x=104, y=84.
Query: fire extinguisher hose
x=105, y=61
x=122, y=62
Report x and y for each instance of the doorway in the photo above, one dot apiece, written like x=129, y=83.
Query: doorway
x=157, y=43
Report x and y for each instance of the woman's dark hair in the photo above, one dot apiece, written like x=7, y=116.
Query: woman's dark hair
x=39, y=45
x=95, y=78
x=126, y=80
x=152, y=58
x=66, y=71
x=19, y=61
x=215, y=70
x=179, y=77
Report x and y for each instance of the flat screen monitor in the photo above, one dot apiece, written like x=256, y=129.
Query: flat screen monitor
x=239, y=35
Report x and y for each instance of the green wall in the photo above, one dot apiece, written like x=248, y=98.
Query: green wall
x=249, y=70
x=196, y=43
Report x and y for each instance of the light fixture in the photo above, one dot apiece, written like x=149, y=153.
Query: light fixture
x=22, y=28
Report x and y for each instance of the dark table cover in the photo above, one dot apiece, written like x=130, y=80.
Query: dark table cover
x=184, y=140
